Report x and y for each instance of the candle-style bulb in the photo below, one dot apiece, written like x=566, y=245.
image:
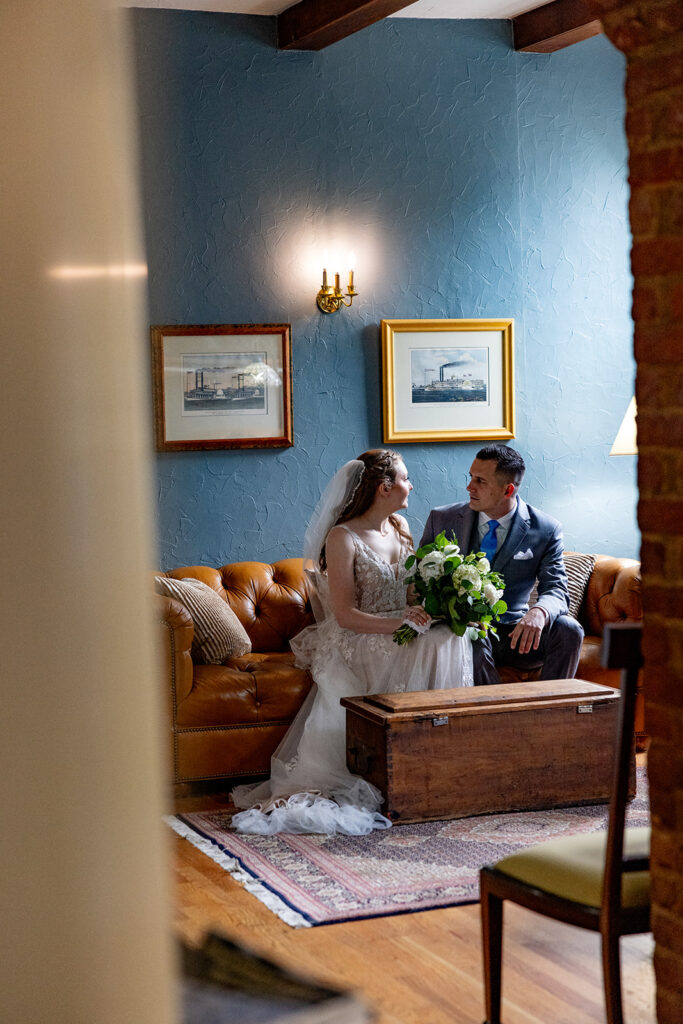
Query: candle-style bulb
x=351, y=265
x=336, y=283
x=324, y=278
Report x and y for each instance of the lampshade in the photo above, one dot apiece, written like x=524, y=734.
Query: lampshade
x=625, y=442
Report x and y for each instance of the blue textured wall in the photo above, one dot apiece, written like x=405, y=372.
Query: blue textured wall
x=576, y=369
x=470, y=181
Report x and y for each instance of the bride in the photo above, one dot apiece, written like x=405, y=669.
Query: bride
x=358, y=544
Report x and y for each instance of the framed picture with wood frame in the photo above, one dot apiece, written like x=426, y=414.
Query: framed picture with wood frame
x=448, y=380
x=222, y=386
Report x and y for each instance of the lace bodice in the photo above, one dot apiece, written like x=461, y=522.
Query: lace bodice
x=380, y=587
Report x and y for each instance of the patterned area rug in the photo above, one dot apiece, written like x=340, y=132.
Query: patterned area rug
x=315, y=879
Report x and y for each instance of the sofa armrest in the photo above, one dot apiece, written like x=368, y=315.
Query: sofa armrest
x=177, y=631
x=613, y=593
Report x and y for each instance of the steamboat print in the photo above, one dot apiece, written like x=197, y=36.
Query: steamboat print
x=451, y=375
x=226, y=382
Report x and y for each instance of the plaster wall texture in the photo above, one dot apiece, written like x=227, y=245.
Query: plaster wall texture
x=470, y=181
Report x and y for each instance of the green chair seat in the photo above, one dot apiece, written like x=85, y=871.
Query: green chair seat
x=573, y=867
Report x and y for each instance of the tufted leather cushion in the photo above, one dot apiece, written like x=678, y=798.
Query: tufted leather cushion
x=226, y=720
x=613, y=593
x=253, y=689
x=211, y=577
x=271, y=601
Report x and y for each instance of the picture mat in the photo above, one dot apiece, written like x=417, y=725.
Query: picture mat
x=180, y=427
x=460, y=416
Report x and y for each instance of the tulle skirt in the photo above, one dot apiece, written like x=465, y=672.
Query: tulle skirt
x=310, y=789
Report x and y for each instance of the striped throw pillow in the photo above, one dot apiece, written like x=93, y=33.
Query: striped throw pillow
x=578, y=568
x=218, y=633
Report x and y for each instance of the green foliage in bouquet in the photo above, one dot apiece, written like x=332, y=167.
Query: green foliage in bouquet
x=460, y=589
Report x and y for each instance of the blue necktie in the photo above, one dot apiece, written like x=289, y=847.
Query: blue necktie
x=489, y=544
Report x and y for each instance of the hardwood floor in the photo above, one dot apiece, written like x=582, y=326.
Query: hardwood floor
x=422, y=968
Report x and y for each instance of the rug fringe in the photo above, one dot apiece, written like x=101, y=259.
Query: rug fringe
x=234, y=868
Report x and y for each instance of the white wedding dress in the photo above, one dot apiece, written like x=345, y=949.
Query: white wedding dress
x=310, y=788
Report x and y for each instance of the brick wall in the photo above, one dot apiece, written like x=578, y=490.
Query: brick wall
x=650, y=33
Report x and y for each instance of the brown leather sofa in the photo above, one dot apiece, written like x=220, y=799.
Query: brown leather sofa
x=226, y=720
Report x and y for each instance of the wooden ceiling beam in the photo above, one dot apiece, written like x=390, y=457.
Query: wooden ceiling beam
x=554, y=26
x=312, y=25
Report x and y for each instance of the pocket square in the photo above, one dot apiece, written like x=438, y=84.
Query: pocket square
x=523, y=555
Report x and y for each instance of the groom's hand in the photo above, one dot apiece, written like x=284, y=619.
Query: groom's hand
x=527, y=632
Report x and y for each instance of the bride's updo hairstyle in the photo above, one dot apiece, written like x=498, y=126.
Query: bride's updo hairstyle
x=380, y=468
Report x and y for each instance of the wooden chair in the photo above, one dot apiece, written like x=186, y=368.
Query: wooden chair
x=598, y=881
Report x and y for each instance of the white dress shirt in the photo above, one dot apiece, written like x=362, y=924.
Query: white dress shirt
x=503, y=526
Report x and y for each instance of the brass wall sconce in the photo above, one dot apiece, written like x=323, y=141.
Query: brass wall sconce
x=331, y=300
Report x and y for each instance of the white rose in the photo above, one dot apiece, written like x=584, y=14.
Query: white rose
x=483, y=565
x=431, y=565
x=466, y=572
x=451, y=550
x=492, y=594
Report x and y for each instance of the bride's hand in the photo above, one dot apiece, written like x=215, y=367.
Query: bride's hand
x=416, y=613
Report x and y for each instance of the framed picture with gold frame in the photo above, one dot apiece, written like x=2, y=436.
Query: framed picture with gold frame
x=222, y=386
x=448, y=380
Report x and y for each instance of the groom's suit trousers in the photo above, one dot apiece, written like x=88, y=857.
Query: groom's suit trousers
x=557, y=655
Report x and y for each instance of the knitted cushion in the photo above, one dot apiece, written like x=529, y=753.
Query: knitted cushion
x=218, y=633
x=578, y=568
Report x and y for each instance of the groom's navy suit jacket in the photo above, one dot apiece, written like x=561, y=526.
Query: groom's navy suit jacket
x=532, y=550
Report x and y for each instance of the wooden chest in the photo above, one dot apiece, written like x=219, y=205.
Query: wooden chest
x=474, y=750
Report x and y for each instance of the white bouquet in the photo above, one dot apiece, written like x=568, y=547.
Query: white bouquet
x=459, y=589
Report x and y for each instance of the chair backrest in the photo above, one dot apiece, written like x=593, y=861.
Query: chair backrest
x=621, y=649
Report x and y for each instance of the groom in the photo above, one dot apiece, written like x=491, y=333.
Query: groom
x=523, y=544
